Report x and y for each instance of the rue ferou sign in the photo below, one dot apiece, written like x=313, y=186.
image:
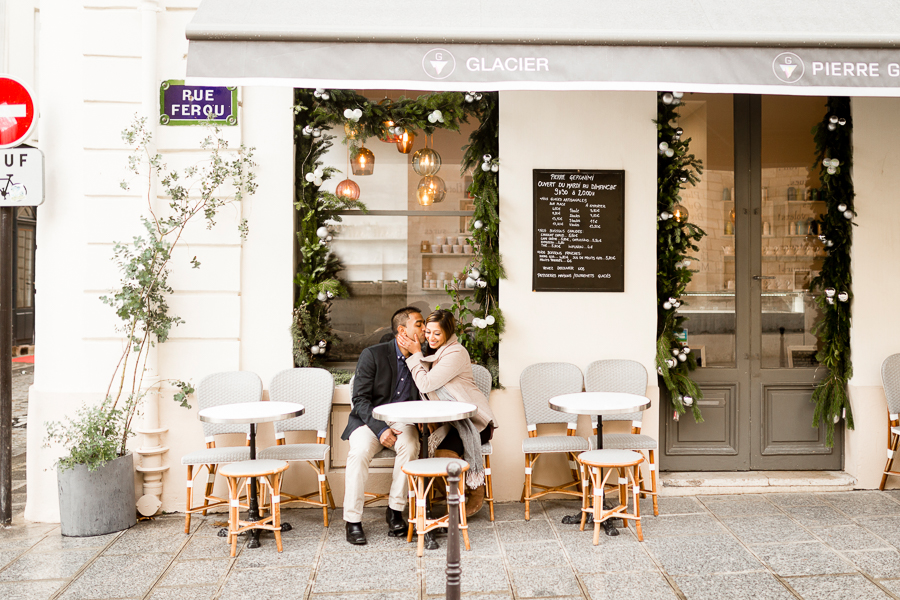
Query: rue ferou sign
x=181, y=104
x=579, y=231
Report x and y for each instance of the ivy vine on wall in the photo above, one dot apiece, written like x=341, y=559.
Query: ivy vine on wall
x=317, y=112
x=675, y=241
x=834, y=159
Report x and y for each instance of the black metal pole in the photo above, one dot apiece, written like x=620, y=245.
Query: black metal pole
x=454, y=572
x=7, y=216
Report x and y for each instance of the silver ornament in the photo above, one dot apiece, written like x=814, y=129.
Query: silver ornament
x=469, y=98
x=833, y=119
x=663, y=146
x=667, y=305
x=831, y=170
x=678, y=95
x=481, y=283
x=659, y=370
x=848, y=214
x=322, y=232
x=470, y=283
x=667, y=98
x=829, y=292
x=679, y=131
x=832, y=127
x=682, y=357
x=321, y=297
x=679, y=265
x=322, y=343
x=687, y=350
x=490, y=320
x=687, y=400
x=829, y=300
x=671, y=363
x=841, y=207
x=670, y=153
x=687, y=263
x=317, y=132
x=835, y=162
x=485, y=167
x=495, y=168
x=477, y=224
x=843, y=296
x=475, y=273
x=329, y=294
x=675, y=352
x=842, y=122
x=315, y=349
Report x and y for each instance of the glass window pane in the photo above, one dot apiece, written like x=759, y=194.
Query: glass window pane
x=708, y=120
x=791, y=251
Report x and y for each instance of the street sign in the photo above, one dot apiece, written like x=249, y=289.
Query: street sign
x=181, y=104
x=17, y=112
x=21, y=177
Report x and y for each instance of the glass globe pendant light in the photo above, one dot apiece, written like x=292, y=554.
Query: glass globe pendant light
x=347, y=188
x=431, y=190
x=426, y=161
x=363, y=162
x=680, y=213
x=405, y=141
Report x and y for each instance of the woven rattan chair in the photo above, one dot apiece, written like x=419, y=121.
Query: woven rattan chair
x=540, y=383
x=314, y=389
x=230, y=387
x=386, y=453
x=890, y=378
x=483, y=381
x=629, y=377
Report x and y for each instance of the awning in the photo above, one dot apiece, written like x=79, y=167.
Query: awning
x=811, y=47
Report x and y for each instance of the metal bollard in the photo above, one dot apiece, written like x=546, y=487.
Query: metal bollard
x=454, y=572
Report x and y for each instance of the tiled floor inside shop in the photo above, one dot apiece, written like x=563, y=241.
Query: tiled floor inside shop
x=841, y=545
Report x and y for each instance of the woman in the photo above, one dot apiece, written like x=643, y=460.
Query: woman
x=446, y=374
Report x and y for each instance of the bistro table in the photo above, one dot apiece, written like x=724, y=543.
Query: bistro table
x=422, y=413
x=252, y=413
x=598, y=404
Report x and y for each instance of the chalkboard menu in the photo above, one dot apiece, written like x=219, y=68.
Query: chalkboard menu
x=579, y=231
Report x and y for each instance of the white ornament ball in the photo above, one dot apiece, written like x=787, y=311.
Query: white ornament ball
x=487, y=158
x=682, y=357
x=322, y=297
x=667, y=305
x=474, y=273
x=831, y=170
x=679, y=265
x=843, y=296
x=848, y=215
x=348, y=113
x=495, y=168
x=687, y=263
x=670, y=153
x=832, y=127
x=667, y=98
x=325, y=95
x=837, y=418
x=833, y=119
x=322, y=232
x=676, y=304
x=829, y=243
x=329, y=238
x=829, y=292
x=687, y=400
x=329, y=294
x=659, y=370
x=477, y=224
x=829, y=300
x=470, y=283
x=673, y=300
x=835, y=162
x=678, y=95
x=675, y=352
x=482, y=324
x=842, y=122
x=481, y=283
x=842, y=207
x=687, y=350
x=310, y=177
x=469, y=98
x=317, y=132
x=671, y=362
x=432, y=118
x=357, y=114
x=490, y=319
x=319, y=173
x=322, y=343
x=485, y=167
x=315, y=349
x=663, y=146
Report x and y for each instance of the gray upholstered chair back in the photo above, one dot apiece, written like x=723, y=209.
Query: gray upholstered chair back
x=890, y=378
x=616, y=375
x=311, y=387
x=229, y=387
x=482, y=380
x=541, y=382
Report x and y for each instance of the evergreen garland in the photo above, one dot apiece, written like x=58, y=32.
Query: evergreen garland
x=675, y=239
x=479, y=317
x=834, y=158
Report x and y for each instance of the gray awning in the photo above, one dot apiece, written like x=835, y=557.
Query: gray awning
x=764, y=46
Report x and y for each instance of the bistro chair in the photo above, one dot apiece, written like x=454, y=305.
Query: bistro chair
x=890, y=379
x=627, y=465
x=629, y=377
x=419, y=472
x=539, y=383
x=483, y=381
x=314, y=389
x=384, y=453
x=268, y=475
x=229, y=387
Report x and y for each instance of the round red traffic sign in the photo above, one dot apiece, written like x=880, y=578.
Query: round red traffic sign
x=16, y=112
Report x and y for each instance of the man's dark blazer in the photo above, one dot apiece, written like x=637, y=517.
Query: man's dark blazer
x=374, y=384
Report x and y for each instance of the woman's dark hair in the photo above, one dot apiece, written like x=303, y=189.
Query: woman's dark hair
x=445, y=320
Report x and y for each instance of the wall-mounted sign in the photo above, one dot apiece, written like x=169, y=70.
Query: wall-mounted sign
x=181, y=104
x=579, y=231
x=21, y=177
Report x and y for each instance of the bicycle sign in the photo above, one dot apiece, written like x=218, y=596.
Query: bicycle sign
x=21, y=177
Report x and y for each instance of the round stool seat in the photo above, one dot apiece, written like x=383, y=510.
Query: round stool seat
x=253, y=468
x=610, y=458
x=432, y=467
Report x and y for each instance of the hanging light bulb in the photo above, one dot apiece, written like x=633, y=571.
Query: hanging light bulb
x=363, y=162
x=347, y=189
x=426, y=162
x=680, y=213
x=431, y=190
x=405, y=141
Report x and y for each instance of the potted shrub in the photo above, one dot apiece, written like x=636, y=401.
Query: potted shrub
x=96, y=475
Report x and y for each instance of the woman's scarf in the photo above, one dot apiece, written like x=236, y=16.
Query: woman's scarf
x=471, y=440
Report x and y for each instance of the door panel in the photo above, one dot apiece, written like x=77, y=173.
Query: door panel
x=716, y=435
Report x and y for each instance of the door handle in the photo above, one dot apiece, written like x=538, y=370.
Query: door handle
x=758, y=277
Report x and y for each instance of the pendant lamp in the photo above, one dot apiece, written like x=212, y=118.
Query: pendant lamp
x=405, y=141
x=431, y=190
x=347, y=188
x=363, y=162
x=426, y=161
x=680, y=213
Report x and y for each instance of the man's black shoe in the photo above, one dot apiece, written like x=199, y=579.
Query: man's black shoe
x=355, y=534
x=397, y=526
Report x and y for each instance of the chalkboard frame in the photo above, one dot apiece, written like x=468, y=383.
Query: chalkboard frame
x=547, y=286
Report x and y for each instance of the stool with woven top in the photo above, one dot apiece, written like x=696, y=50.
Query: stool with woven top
x=626, y=464
x=268, y=474
x=417, y=471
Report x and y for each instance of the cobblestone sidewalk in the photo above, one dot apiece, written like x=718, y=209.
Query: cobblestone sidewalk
x=23, y=377
x=829, y=546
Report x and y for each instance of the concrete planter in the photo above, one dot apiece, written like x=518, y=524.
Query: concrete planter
x=98, y=502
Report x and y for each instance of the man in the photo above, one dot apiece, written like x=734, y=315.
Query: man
x=381, y=377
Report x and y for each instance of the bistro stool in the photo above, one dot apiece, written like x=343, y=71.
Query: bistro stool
x=417, y=471
x=624, y=462
x=268, y=474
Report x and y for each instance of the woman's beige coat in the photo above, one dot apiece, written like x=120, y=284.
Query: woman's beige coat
x=451, y=368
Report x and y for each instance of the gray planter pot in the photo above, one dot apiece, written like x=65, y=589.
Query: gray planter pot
x=98, y=502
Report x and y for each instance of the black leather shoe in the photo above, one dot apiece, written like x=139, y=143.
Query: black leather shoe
x=397, y=526
x=355, y=534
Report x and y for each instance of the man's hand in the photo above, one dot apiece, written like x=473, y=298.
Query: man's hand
x=388, y=438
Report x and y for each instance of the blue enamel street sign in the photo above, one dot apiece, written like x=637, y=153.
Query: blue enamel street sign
x=181, y=104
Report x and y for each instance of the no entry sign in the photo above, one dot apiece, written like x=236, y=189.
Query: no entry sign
x=17, y=116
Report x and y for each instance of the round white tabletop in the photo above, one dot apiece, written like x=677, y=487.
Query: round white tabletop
x=426, y=411
x=251, y=412
x=599, y=403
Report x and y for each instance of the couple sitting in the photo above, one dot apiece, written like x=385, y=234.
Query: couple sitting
x=400, y=371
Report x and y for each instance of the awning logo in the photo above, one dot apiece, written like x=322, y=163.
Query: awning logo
x=788, y=67
x=438, y=64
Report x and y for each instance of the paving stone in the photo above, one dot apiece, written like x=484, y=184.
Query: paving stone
x=733, y=506
x=22, y=529
x=373, y=571
x=767, y=529
x=877, y=563
x=7, y=556
x=863, y=503
x=110, y=576
x=850, y=537
x=404, y=595
x=294, y=554
x=197, y=592
x=206, y=547
x=536, y=554
x=33, y=590
x=672, y=505
x=55, y=565
x=137, y=541
x=835, y=587
x=56, y=542
x=540, y=583
x=816, y=516
x=196, y=572
x=702, y=555
x=482, y=542
x=478, y=575
x=253, y=584
x=376, y=536
x=811, y=558
x=736, y=586
x=892, y=585
x=628, y=586
x=554, y=510
x=621, y=553
x=665, y=526
x=512, y=532
x=511, y=511
x=796, y=499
